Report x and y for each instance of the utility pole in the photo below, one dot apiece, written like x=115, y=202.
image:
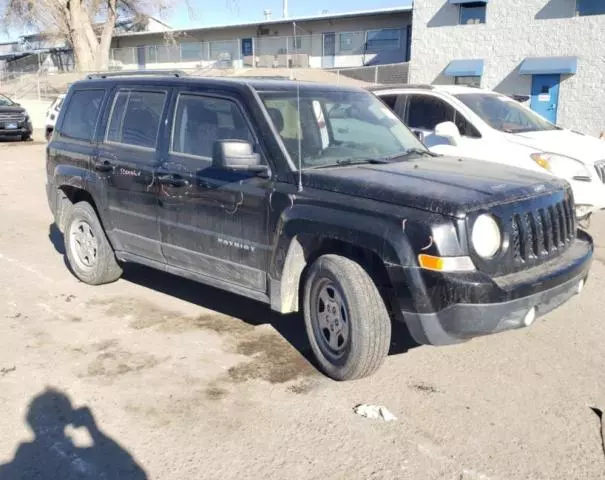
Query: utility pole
x=285, y=8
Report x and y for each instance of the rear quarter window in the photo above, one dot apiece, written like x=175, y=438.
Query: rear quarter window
x=82, y=113
x=135, y=118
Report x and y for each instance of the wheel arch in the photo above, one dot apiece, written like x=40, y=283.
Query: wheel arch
x=304, y=240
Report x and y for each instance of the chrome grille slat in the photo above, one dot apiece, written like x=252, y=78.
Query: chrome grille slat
x=11, y=117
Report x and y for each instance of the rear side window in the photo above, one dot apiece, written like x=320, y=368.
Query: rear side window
x=200, y=121
x=425, y=112
x=82, y=113
x=135, y=118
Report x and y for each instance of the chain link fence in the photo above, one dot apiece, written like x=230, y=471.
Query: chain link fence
x=395, y=73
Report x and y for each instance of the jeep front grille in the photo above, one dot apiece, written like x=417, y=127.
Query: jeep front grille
x=11, y=117
x=600, y=168
x=542, y=233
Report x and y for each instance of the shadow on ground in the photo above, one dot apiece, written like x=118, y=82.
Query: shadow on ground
x=290, y=327
x=53, y=454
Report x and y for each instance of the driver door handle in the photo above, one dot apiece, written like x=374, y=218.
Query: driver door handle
x=104, y=166
x=172, y=180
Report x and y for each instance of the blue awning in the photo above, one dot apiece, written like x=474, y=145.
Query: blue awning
x=458, y=2
x=464, y=68
x=548, y=65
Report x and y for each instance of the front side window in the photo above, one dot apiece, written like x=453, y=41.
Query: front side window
x=504, y=113
x=200, y=121
x=333, y=126
x=135, y=118
x=385, y=39
x=590, y=7
x=472, y=13
x=82, y=114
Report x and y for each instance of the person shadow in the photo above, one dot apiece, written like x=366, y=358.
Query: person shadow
x=54, y=455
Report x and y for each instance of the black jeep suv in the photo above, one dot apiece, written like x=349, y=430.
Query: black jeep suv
x=308, y=197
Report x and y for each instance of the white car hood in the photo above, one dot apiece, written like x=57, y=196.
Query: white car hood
x=564, y=142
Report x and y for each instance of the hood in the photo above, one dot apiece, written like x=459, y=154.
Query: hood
x=11, y=109
x=444, y=185
x=582, y=147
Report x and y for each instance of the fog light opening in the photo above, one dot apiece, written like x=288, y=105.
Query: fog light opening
x=530, y=316
x=580, y=286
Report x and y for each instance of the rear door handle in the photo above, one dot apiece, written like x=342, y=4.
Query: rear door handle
x=172, y=180
x=104, y=166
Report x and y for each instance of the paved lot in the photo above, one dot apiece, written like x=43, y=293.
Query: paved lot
x=167, y=379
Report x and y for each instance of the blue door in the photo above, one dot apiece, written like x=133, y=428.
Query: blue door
x=329, y=50
x=545, y=96
x=247, y=49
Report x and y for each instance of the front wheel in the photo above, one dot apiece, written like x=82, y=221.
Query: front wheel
x=347, y=322
x=88, y=250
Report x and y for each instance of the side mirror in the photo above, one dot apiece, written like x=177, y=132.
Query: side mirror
x=419, y=134
x=449, y=131
x=238, y=155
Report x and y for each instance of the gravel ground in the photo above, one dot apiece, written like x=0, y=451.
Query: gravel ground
x=161, y=378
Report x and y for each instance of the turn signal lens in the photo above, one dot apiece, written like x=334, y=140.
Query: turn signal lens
x=446, y=264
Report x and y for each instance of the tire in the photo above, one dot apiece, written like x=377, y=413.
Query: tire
x=26, y=138
x=361, y=337
x=88, y=251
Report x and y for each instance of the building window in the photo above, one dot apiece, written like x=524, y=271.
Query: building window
x=471, y=81
x=346, y=41
x=472, y=13
x=295, y=43
x=191, y=51
x=386, y=39
x=590, y=7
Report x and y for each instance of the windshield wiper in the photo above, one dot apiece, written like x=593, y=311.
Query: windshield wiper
x=412, y=151
x=352, y=161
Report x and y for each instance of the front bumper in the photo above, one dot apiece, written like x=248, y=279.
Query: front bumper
x=21, y=130
x=507, y=300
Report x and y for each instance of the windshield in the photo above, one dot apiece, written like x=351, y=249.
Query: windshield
x=337, y=127
x=504, y=113
x=5, y=101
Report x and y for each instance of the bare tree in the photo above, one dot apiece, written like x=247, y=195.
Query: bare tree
x=88, y=25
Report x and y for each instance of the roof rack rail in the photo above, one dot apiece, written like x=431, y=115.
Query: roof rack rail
x=387, y=86
x=135, y=73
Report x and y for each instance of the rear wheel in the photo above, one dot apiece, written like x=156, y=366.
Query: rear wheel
x=347, y=322
x=89, y=253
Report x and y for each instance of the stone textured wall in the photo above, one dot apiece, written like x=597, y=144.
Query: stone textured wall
x=516, y=29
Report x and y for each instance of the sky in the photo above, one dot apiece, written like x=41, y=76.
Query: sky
x=240, y=11
x=222, y=12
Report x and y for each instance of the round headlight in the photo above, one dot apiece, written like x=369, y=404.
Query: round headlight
x=486, y=236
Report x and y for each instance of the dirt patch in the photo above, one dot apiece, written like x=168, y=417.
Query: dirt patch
x=272, y=358
x=118, y=362
x=216, y=393
x=424, y=387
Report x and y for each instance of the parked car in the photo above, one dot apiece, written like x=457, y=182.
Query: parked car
x=230, y=182
x=14, y=120
x=51, y=115
x=481, y=124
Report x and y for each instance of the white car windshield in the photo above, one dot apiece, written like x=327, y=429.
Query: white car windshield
x=503, y=113
x=338, y=127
